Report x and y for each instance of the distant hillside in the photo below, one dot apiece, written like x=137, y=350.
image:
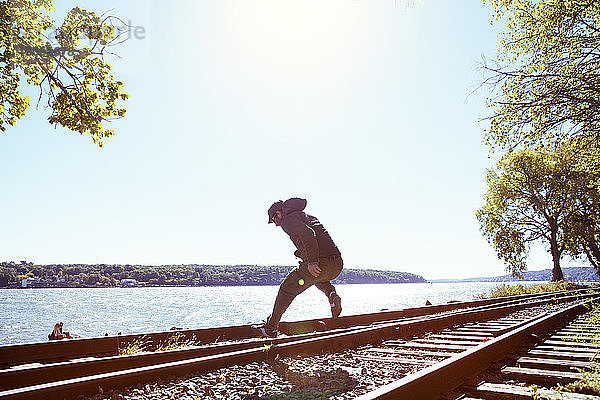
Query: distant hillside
x=103, y=275
x=571, y=274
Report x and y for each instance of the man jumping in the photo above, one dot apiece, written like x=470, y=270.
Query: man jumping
x=321, y=261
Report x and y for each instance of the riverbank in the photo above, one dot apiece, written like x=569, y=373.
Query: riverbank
x=192, y=275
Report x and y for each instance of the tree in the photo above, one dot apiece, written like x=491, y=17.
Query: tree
x=584, y=223
x=546, y=82
x=536, y=195
x=585, y=234
x=67, y=64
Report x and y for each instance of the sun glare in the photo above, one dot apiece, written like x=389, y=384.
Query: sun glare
x=300, y=41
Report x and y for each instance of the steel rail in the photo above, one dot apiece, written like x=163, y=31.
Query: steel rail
x=109, y=345
x=434, y=381
x=37, y=374
x=327, y=342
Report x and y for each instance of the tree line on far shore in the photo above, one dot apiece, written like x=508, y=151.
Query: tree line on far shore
x=12, y=273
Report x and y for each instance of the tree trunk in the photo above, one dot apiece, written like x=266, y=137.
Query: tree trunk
x=593, y=254
x=557, y=274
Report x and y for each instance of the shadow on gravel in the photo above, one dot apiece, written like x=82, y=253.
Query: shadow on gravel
x=318, y=384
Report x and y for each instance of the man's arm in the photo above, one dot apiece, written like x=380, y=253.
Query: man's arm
x=303, y=237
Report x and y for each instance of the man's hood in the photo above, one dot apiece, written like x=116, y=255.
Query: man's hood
x=293, y=204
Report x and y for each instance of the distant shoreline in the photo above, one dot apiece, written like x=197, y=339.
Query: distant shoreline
x=587, y=274
x=195, y=275
x=26, y=274
x=153, y=286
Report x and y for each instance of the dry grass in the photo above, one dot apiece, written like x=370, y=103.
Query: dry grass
x=174, y=342
x=178, y=341
x=515, y=290
x=134, y=347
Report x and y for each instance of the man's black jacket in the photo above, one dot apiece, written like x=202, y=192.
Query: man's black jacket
x=307, y=233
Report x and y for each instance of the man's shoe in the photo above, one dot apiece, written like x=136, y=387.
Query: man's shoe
x=263, y=331
x=336, y=304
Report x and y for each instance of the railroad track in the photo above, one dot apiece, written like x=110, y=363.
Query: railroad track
x=561, y=358
x=546, y=363
x=48, y=378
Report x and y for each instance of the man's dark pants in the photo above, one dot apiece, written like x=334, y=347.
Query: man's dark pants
x=299, y=279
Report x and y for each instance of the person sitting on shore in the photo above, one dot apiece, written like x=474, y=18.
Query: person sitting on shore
x=58, y=334
x=55, y=335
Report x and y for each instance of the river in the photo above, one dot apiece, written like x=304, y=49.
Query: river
x=28, y=315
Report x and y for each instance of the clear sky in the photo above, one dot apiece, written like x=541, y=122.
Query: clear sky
x=365, y=108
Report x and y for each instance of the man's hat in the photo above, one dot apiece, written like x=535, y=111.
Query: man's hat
x=277, y=206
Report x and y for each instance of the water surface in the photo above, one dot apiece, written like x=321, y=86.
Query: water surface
x=28, y=315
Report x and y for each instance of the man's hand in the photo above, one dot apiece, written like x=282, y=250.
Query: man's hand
x=314, y=269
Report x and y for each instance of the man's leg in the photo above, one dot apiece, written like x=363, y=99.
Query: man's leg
x=331, y=269
x=335, y=301
x=325, y=287
x=296, y=282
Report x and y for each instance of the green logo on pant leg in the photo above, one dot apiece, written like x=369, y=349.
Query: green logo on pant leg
x=301, y=282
